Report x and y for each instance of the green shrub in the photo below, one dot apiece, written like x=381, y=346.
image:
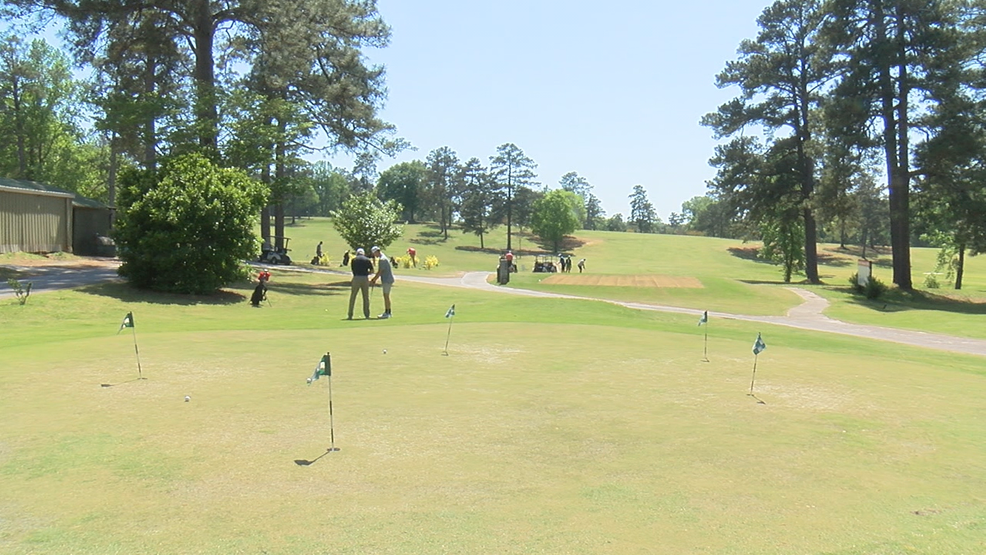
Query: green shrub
x=874, y=288
x=187, y=227
x=22, y=291
x=854, y=283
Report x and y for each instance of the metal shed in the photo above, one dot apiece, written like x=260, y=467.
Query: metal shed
x=35, y=217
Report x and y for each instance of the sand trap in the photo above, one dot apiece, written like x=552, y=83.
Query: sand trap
x=623, y=281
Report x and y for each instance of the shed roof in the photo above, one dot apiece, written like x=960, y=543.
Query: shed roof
x=44, y=188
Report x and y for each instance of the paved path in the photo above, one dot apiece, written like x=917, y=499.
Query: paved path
x=807, y=316
x=51, y=278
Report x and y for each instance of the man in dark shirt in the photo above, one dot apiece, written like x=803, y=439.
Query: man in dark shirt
x=362, y=268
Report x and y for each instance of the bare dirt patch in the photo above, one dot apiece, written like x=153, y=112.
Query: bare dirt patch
x=59, y=260
x=625, y=281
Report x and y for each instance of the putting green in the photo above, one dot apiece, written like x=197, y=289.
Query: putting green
x=526, y=438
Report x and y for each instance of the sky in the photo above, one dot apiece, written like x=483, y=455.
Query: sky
x=613, y=91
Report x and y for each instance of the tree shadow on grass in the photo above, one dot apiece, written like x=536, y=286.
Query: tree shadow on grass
x=124, y=292
x=833, y=260
x=857, y=251
x=337, y=287
x=749, y=253
x=433, y=235
x=567, y=244
x=769, y=282
x=237, y=293
x=896, y=300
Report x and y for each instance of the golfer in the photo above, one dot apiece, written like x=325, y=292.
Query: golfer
x=362, y=268
x=385, y=273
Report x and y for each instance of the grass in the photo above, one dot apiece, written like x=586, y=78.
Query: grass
x=553, y=426
x=733, y=279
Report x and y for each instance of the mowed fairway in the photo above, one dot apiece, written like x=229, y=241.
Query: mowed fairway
x=553, y=426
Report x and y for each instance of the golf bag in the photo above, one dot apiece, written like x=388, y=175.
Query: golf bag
x=260, y=291
x=259, y=294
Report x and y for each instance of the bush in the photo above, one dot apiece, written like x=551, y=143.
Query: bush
x=854, y=283
x=931, y=282
x=874, y=288
x=187, y=227
x=431, y=262
x=365, y=221
x=22, y=292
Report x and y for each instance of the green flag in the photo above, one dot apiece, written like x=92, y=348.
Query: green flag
x=704, y=319
x=759, y=345
x=323, y=368
x=128, y=322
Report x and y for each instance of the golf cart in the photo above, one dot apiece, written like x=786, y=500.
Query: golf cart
x=270, y=254
x=544, y=263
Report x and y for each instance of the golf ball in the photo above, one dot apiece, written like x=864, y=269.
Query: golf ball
x=309, y=380
x=385, y=351
x=187, y=398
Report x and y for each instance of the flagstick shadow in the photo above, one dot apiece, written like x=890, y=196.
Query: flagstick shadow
x=760, y=401
x=121, y=383
x=304, y=462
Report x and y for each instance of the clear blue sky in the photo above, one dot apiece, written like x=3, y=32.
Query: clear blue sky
x=613, y=91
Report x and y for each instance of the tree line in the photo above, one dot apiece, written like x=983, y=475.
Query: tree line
x=841, y=100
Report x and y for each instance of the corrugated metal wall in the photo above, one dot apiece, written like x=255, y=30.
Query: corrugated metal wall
x=35, y=221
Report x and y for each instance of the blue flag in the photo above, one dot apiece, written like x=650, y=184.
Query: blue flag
x=759, y=345
x=450, y=312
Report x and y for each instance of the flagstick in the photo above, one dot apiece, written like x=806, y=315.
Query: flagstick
x=447, y=336
x=705, y=353
x=140, y=374
x=332, y=433
x=755, y=357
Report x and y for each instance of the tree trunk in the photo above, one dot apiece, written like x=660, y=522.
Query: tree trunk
x=206, y=113
x=510, y=203
x=150, y=131
x=265, y=213
x=811, y=247
x=15, y=95
x=901, y=205
x=960, y=267
x=111, y=176
x=280, y=171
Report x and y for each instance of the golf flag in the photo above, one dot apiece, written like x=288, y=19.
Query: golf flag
x=759, y=345
x=704, y=319
x=128, y=322
x=450, y=312
x=323, y=368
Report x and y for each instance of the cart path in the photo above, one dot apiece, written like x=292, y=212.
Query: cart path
x=52, y=278
x=807, y=316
